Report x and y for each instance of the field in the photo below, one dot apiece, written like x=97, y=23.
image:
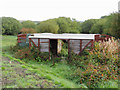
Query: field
x=32, y=73
x=26, y=73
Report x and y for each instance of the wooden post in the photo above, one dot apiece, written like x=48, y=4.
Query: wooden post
x=92, y=44
x=97, y=37
x=80, y=46
x=68, y=49
x=39, y=44
x=49, y=49
x=29, y=43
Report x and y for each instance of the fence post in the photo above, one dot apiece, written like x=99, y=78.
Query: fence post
x=49, y=49
x=29, y=43
x=68, y=49
x=97, y=37
x=80, y=46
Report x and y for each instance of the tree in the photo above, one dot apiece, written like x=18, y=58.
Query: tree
x=75, y=26
x=49, y=26
x=10, y=26
x=87, y=25
x=63, y=25
x=98, y=27
x=28, y=24
x=112, y=27
x=66, y=25
x=27, y=30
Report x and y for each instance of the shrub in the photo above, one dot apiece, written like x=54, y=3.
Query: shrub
x=105, y=52
x=24, y=53
x=33, y=54
x=95, y=74
x=15, y=48
x=101, y=64
x=77, y=60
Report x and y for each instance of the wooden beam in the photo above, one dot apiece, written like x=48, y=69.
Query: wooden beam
x=80, y=46
x=68, y=49
x=44, y=42
x=29, y=43
x=92, y=44
x=33, y=43
x=97, y=37
x=49, y=49
x=39, y=44
x=87, y=45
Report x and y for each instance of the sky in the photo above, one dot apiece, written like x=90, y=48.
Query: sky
x=40, y=10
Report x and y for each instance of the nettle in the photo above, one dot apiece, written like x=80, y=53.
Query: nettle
x=102, y=64
x=105, y=52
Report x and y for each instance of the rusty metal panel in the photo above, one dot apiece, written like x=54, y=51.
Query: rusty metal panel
x=44, y=45
x=35, y=41
x=44, y=40
x=44, y=50
x=75, y=46
x=85, y=42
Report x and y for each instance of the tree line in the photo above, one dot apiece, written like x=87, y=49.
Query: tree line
x=109, y=25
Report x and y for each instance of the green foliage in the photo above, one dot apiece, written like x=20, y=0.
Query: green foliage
x=28, y=24
x=48, y=26
x=10, y=26
x=109, y=84
x=94, y=69
x=36, y=72
x=107, y=25
x=3, y=68
x=112, y=27
x=66, y=25
x=98, y=27
x=8, y=42
x=24, y=53
x=104, y=54
x=100, y=65
x=64, y=50
x=87, y=25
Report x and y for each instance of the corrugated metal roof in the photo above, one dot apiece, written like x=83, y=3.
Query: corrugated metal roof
x=63, y=36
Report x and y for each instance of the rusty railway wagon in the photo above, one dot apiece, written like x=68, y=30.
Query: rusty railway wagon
x=48, y=42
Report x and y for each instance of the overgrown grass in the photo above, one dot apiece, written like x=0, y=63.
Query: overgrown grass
x=7, y=42
x=109, y=84
x=56, y=74
x=61, y=75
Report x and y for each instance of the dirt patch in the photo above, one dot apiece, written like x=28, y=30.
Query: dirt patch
x=14, y=74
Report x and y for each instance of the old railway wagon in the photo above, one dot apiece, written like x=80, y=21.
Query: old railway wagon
x=48, y=42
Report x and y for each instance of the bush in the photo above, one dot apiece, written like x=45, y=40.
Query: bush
x=24, y=53
x=15, y=48
x=33, y=53
x=105, y=52
x=101, y=64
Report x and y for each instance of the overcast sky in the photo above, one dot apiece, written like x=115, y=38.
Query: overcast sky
x=39, y=10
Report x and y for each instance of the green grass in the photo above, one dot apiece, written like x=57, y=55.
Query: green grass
x=35, y=74
x=7, y=42
x=109, y=84
x=56, y=74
